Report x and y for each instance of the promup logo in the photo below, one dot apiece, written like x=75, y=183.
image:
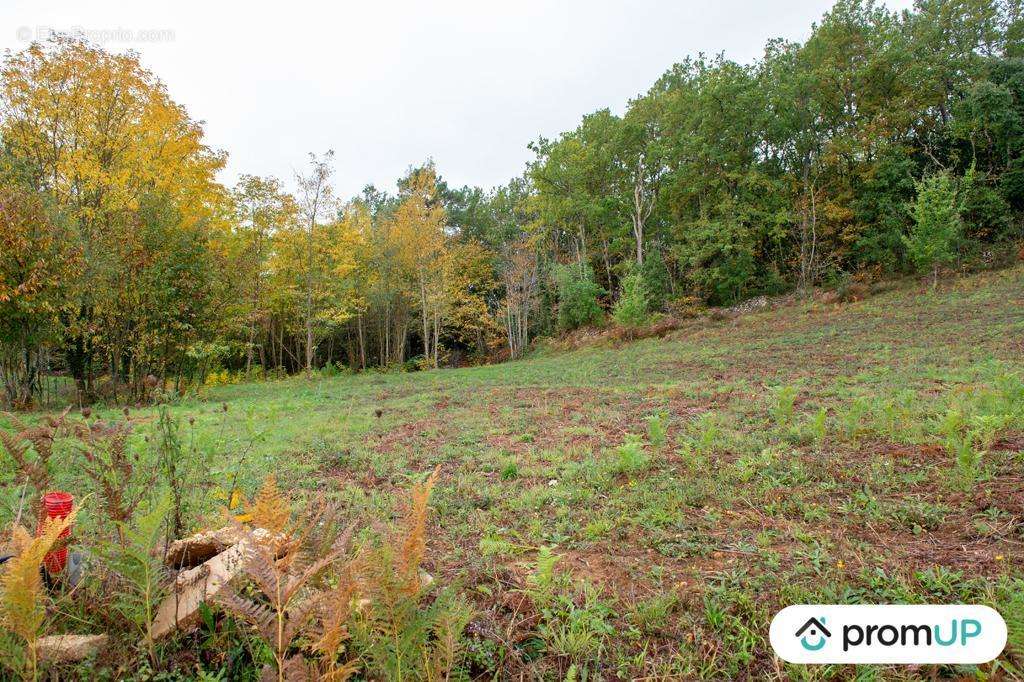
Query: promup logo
x=888, y=634
x=817, y=629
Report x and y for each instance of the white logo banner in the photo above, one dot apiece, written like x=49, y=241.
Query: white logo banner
x=836, y=633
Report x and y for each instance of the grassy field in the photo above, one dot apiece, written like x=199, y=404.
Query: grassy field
x=643, y=510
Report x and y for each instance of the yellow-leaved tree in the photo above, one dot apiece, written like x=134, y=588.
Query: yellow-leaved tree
x=128, y=169
x=313, y=278
x=419, y=233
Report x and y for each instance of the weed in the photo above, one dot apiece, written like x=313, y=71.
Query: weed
x=919, y=515
x=630, y=457
x=985, y=427
x=967, y=459
x=595, y=530
x=575, y=626
x=651, y=615
x=510, y=470
x=784, y=405
x=853, y=418
x=707, y=433
x=818, y=427
x=183, y=472
x=657, y=429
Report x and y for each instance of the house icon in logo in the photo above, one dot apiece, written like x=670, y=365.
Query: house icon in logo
x=814, y=628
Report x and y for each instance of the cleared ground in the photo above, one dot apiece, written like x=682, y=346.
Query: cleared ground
x=809, y=454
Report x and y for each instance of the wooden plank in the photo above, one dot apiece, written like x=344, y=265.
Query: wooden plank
x=68, y=648
x=180, y=610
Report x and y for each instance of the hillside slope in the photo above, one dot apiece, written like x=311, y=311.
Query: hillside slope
x=804, y=459
x=754, y=500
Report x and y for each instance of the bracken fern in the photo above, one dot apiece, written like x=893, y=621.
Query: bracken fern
x=22, y=611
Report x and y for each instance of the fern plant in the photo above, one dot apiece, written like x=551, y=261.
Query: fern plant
x=399, y=634
x=657, y=429
x=30, y=448
x=708, y=431
x=819, y=427
x=22, y=609
x=967, y=458
x=542, y=579
x=112, y=466
x=785, y=402
x=630, y=457
x=853, y=418
x=574, y=620
x=140, y=570
x=278, y=566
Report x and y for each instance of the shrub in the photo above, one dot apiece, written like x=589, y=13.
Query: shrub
x=685, y=306
x=937, y=224
x=631, y=310
x=577, y=297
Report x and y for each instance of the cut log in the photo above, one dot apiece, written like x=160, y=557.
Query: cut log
x=195, y=550
x=201, y=547
x=69, y=648
x=180, y=610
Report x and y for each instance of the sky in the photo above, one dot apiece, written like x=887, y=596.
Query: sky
x=388, y=84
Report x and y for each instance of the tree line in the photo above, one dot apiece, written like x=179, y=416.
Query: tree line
x=884, y=144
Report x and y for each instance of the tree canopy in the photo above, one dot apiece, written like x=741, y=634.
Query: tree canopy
x=845, y=155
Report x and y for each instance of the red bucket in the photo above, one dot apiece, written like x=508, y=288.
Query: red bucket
x=56, y=505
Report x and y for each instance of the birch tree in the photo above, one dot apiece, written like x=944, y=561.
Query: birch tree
x=315, y=199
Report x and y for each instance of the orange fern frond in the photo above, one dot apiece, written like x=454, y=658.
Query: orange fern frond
x=271, y=509
x=411, y=544
x=334, y=632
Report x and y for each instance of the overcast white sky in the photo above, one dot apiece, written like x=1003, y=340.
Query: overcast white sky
x=387, y=84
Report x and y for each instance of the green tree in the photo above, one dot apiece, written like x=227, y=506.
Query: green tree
x=36, y=260
x=937, y=224
x=657, y=279
x=577, y=296
x=632, y=309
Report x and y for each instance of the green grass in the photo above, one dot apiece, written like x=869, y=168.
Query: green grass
x=799, y=455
